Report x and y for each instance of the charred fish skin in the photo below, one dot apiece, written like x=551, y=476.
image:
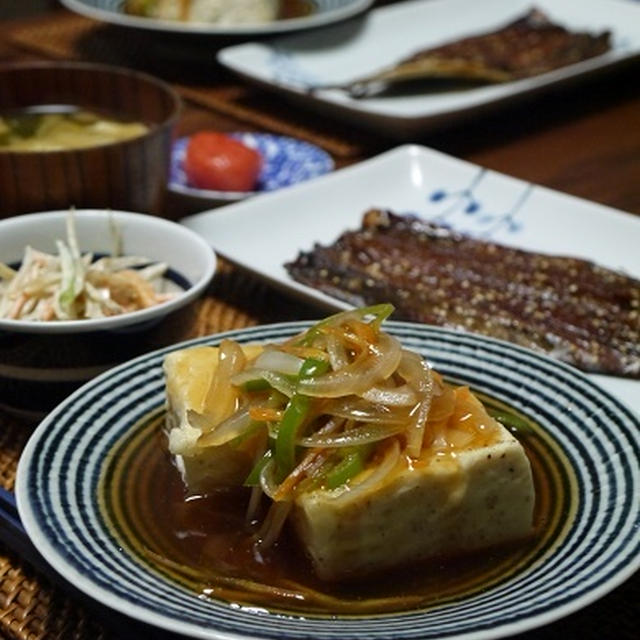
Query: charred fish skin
x=528, y=46
x=572, y=309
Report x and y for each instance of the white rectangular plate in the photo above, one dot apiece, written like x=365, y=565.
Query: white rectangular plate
x=358, y=48
x=263, y=233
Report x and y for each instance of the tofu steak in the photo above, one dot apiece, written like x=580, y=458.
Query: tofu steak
x=444, y=505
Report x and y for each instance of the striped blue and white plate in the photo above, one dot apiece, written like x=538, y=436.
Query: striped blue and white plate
x=584, y=446
x=323, y=12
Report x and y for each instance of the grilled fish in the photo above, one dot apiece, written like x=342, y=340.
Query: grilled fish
x=569, y=308
x=528, y=46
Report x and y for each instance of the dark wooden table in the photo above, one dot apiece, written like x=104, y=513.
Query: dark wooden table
x=583, y=140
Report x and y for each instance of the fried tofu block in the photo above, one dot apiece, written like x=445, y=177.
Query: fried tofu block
x=188, y=375
x=442, y=505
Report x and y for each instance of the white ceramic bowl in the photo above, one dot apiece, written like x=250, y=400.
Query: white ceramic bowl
x=42, y=362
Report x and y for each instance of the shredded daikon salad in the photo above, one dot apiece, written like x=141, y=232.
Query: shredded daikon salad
x=337, y=407
x=74, y=286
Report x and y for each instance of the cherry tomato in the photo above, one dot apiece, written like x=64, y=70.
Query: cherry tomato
x=216, y=161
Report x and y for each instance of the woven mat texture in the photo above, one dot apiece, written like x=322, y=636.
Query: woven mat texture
x=31, y=608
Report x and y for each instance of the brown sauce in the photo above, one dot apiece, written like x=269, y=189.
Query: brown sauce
x=204, y=542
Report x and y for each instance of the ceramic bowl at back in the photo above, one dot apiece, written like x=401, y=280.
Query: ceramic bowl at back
x=127, y=172
x=43, y=360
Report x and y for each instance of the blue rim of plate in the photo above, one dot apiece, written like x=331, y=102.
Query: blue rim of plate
x=597, y=548
x=326, y=12
x=286, y=161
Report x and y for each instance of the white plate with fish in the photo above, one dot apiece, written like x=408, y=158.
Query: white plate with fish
x=301, y=65
x=73, y=500
x=439, y=188
x=220, y=17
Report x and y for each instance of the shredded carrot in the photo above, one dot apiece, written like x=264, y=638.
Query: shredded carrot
x=72, y=286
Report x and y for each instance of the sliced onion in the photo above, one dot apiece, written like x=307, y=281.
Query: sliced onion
x=401, y=396
x=256, y=491
x=353, y=491
x=248, y=375
x=337, y=353
x=438, y=437
x=254, y=502
x=268, y=478
x=363, y=434
x=378, y=313
x=235, y=425
x=443, y=405
x=417, y=373
x=222, y=396
x=458, y=438
x=278, y=381
x=280, y=361
x=270, y=530
x=355, y=408
x=377, y=364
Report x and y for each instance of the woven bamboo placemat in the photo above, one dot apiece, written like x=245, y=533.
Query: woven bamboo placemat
x=189, y=64
x=30, y=607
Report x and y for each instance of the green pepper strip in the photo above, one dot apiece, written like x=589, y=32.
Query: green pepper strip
x=349, y=467
x=380, y=312
x=312, y=367
x=294, y=415
x=256, y=385
x=509, y=420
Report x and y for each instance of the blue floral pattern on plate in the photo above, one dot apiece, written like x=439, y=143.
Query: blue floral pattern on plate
x=485, y=220
x=286, y=161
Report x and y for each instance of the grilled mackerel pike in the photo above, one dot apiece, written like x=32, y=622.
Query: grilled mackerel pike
x=569, y=308
x=526, y=47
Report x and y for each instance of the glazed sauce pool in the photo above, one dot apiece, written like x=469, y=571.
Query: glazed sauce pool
x=206, y=543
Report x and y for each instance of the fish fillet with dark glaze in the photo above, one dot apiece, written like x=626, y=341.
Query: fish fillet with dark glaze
x=572, y=309
x=526, y=47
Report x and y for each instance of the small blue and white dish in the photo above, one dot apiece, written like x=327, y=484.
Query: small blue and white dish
x=286, y=161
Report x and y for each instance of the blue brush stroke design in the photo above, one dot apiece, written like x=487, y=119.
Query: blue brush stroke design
x=486, y=222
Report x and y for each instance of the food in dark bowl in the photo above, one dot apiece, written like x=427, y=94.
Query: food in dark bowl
x=80, y=135
x=54, y=335
x=61, y=128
